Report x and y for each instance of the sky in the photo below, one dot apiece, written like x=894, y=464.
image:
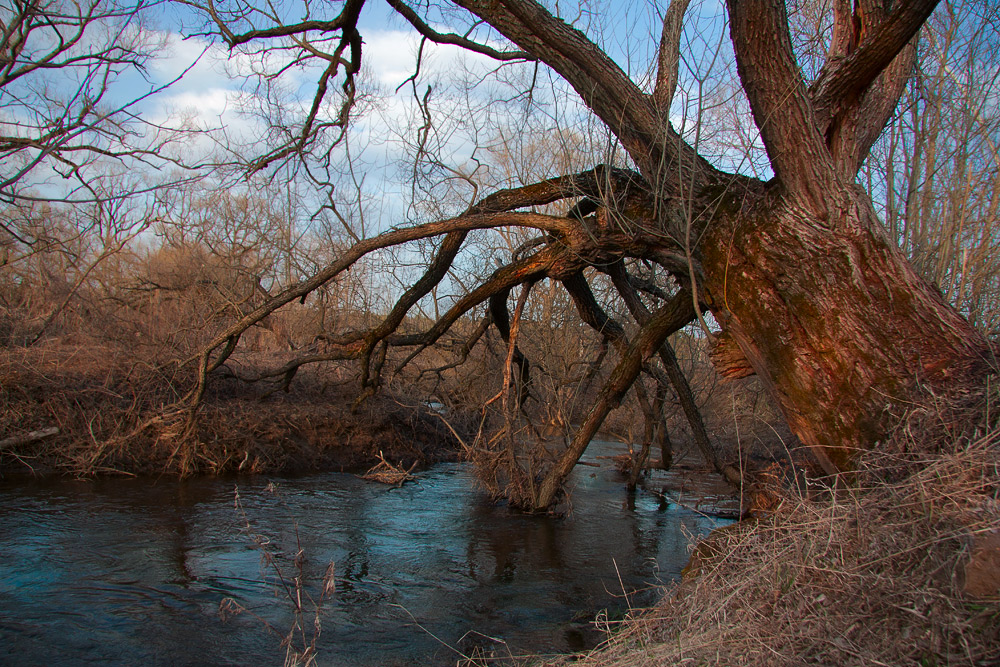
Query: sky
x=210, y=96
x=473, y=107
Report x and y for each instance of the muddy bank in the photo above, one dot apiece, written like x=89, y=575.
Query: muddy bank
x=117, y=415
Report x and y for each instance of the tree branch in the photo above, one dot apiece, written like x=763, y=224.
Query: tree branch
x=602, y=85
x=781, y=105
x=842, y=80
x=347, y=19
x=665, y=321
x=668, y=58
x=450, y=38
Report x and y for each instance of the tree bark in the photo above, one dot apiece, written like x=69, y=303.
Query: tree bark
x=833, y=318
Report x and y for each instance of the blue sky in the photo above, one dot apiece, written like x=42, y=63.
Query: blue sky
x=467, y=117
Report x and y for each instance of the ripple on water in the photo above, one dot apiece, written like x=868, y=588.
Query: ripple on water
x=133, y=571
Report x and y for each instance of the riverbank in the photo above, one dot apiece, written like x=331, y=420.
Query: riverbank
x=901, y=567
x=103, y=412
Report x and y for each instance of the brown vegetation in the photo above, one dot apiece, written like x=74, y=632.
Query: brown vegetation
x=102, y=399
x=811, y=199
x=898, y=567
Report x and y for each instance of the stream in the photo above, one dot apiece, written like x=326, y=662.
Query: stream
x=133, y=571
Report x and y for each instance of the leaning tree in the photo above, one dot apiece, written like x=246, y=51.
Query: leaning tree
x=806, y=288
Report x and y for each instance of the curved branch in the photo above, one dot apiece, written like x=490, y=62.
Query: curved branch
x=668, y=59
x=685, y=396
x=450, y=38
x=602, y=183
x=652, y=334
x=356, y=345
x=599, y=81
x=347, y=19
x=842, y=80
x=504, y=278
x=463, y=353
x=435, y=273
x=385, y=240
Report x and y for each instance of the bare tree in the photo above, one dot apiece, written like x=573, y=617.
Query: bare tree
x=63, y=115
x=936, y=169
x=809, y=292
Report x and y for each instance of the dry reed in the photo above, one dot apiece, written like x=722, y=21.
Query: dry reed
x=875, y=572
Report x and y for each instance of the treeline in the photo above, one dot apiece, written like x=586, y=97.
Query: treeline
x=157, y=256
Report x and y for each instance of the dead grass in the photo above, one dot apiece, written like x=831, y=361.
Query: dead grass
x=872, y=573
x=117, y=415
x=388, y=473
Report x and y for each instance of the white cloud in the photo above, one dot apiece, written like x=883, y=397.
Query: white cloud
x=390, y=55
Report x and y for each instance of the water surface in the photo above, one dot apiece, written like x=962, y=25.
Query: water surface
x=133, y=571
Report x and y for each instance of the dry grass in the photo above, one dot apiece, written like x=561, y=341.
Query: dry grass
x=117, y=415
x=870, y=574
x=388, y=473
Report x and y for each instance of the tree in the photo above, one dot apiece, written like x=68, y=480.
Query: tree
x=809, y=292
x=934, y=172
x=80, y=166
x=63, y=117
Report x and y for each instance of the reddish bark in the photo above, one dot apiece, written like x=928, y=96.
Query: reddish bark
x=810, y=294
x=834, y=319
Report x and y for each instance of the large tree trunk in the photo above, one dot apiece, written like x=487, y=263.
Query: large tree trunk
x=833, y=318
x=796, y=271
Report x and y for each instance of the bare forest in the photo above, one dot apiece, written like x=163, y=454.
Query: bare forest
x=537, y=252
x=761, y=239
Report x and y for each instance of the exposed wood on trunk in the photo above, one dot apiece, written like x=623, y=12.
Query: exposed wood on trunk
x=728, y=359
x=842, y=345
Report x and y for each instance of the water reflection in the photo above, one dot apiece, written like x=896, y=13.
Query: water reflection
x=133, y=571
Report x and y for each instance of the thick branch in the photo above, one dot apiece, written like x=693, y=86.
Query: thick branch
x=781, y=105
x=591, y=312
x=842, y=81
x=593, y=315
x=668, y=59
x=669, y=360
x=650, y=337
x=853, y=122
x=602, y=85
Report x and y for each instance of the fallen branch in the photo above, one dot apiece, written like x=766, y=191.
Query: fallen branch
x=28, y=438
x=387, y=473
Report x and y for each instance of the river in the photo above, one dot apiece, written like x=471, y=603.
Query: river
x=133, y=571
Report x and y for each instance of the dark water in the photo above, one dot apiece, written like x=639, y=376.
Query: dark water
x=133, y=571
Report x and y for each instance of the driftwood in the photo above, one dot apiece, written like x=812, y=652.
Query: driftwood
x=28, y=438
x=387, y=473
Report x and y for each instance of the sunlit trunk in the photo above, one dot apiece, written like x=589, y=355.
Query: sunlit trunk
x=834, y=320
